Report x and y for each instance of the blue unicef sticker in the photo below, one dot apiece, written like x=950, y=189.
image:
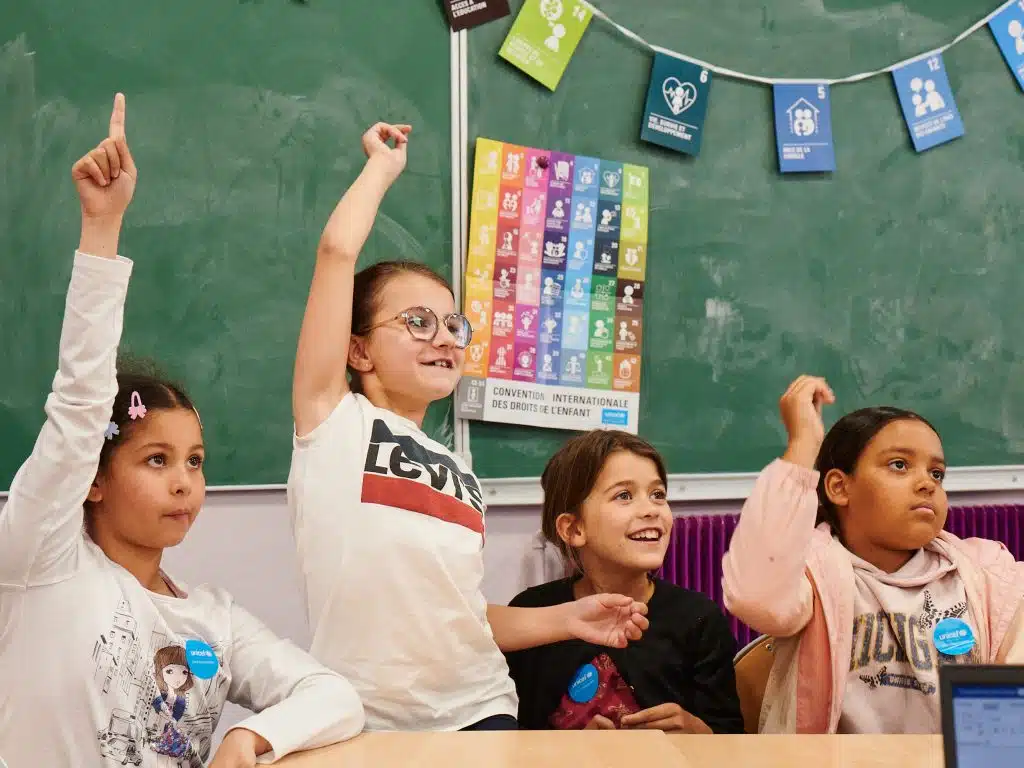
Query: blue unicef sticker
x=953, y=637
x=584, y=684
x=201, y=659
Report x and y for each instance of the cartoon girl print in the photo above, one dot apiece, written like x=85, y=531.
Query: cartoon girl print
x=174, y=679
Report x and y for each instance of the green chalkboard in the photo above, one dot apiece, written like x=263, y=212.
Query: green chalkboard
x=899, y=277
x=244, y=119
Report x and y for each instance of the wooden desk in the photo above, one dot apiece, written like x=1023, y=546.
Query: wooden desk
x=615, y=749
x=813, y=751
x=500, y=749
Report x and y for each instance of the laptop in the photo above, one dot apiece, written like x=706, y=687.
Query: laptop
x=982, y=716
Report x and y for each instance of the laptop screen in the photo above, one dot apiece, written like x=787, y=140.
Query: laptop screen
x=988, y=725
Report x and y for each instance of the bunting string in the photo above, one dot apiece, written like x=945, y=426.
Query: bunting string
x=737, y=75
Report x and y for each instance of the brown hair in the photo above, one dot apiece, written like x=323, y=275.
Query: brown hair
x=367, y=288
x=156, y=392
x=570, y=475
x=171, y=654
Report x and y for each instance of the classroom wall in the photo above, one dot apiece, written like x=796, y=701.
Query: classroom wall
x=242, y=541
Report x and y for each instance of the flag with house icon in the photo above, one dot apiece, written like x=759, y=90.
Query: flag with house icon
x=803, y=128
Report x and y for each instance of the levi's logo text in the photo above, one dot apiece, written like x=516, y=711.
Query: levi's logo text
x=402, y=473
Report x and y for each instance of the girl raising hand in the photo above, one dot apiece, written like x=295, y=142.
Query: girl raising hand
x=840, y=553
x=115, y=477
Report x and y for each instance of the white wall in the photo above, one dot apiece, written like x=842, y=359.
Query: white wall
x=242, y=541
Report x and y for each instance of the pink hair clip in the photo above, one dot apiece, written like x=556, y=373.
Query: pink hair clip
x=136, y=410
x=112, y=429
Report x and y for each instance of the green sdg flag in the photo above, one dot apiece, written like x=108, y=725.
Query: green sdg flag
x=544, y=36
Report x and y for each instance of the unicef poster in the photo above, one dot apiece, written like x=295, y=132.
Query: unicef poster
x=555, y=289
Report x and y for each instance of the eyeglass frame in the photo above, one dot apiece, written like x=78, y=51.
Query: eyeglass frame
x=404, y=315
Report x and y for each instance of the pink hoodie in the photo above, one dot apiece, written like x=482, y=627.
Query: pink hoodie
x=786, y=578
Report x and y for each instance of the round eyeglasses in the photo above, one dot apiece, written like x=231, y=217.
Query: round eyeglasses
x=422, y=324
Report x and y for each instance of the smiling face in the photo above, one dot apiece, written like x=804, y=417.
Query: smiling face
x=893, y=502
x=625, y=521
x=393, y=365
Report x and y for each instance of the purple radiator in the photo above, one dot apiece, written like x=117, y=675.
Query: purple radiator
x=694, y=558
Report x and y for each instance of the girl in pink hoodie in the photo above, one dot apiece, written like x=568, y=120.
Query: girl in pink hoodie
x=840, y=555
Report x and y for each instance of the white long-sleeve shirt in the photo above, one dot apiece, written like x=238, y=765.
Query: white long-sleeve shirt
x=95, y=670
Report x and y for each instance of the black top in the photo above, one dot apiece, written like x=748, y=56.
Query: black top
x=685, y=656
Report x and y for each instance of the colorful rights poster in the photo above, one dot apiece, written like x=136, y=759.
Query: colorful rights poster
x=555, y=289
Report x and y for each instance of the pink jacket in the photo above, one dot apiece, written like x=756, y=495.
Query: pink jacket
x=786, y=578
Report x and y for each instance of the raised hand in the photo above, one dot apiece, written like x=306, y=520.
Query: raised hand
x=105, y=176
x=801, y=407
x=611, y=620
x=391, y=159
x=105, y=180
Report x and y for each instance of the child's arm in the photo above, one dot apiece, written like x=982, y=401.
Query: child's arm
x=764, y=583
x=320, y=380
x=611, y=620
x=300, y=704
x=41, y=524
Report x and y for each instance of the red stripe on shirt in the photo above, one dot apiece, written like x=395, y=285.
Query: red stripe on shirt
x=416, y=497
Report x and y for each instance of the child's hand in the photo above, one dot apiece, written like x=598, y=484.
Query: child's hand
x=105, y=177
x=611, y=620
x=665, y=717
x=801, y=413
x=599, y=723
x=390, y=159
x=239, y=749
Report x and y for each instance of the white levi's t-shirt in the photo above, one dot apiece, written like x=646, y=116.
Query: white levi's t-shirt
x=389, y=526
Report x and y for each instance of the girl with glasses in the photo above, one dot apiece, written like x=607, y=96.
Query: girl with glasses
x=389, y=523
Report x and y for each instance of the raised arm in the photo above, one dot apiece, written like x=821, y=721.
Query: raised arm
x=299, y=703
x=320, y=380
x=611, y=620
x=41, y=524
x=764, y=582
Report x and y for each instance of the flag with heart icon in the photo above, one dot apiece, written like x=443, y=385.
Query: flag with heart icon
x=677, y=103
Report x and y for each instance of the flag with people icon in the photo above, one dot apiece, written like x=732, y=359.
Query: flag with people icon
x=927, y=102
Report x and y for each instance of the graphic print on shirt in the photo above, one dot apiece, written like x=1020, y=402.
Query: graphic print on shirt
x=402, y=473
x=903, y=647
x=165, y=718
x=597, y=688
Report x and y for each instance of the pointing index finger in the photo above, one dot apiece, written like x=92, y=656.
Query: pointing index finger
x=117, y=118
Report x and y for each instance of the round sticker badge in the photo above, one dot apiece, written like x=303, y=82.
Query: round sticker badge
x=953, y=637
x=201, y=659
x=584, y=684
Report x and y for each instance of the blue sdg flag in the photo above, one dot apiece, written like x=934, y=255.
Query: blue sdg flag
x=927, y=102
x=1008, y=30
x=803, y=128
